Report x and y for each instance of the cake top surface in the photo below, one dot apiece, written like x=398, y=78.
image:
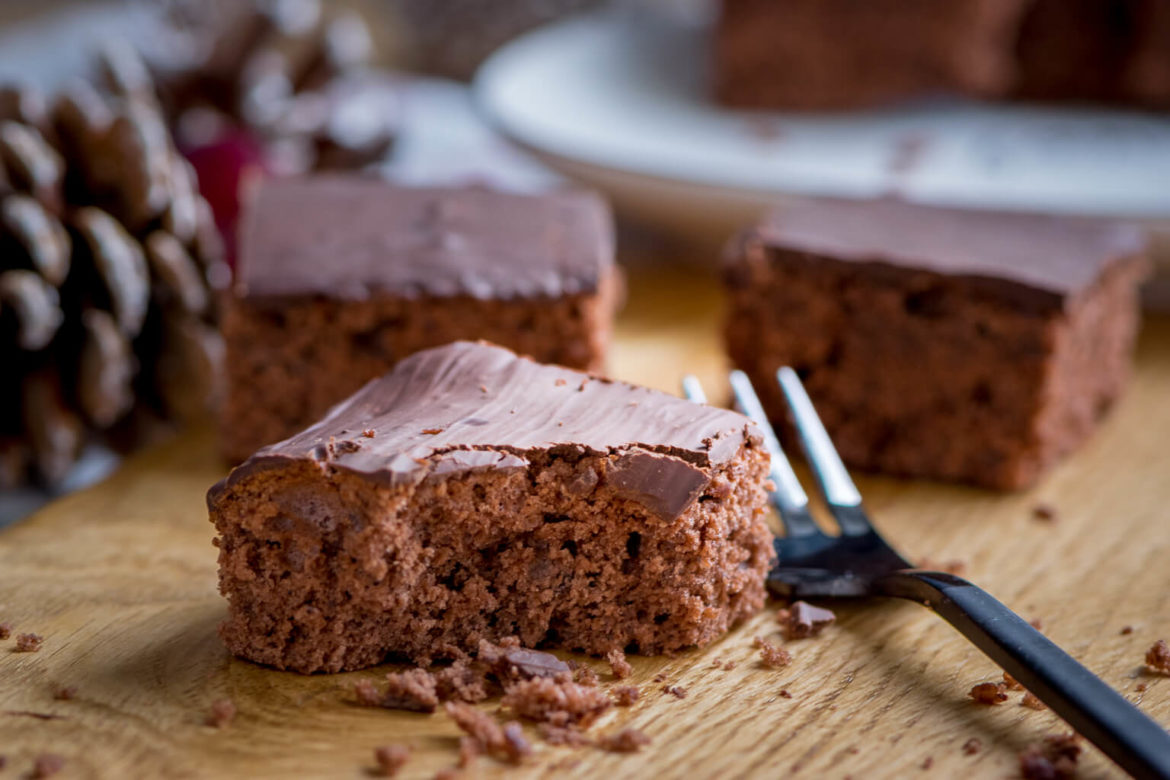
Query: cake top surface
x=472, y=406
x=353, y=237
x=1052, y=254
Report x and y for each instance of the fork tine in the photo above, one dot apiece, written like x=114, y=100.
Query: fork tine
x=836, y=485
x=788, y=496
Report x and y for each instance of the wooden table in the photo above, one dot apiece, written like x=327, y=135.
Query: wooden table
x=120, y=580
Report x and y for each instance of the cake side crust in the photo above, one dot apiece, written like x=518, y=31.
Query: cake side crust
x=327, y=570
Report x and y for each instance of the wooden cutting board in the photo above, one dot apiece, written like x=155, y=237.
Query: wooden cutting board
x=120, y=580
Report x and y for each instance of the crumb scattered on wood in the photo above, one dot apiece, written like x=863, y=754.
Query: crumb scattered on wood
x=469, y=750
x=1037, y=624
x=1031, y=701
x=1012, y=683
x=618, y=664
x=1158, y=657
x=390, y=759
x=1045, y=512
x=412, y=690
x=989, y=693
x=972, y=746
x=64, y=692
x=660, y=677
x=624, y=741
x=784, y=694
x=1140, y=687
x=677, y=691
x=625, y=695
x=928, y=762
x=802, y=620
x=28, y=643
x=5, y=630
x=585, y=675
x=221, y=714
x=369, y=433
x=772, y=656
x=559, y=702
x=1126, y=630
x=476, y=724
x=1053, y=759
x=516, y=746
x=46, y=765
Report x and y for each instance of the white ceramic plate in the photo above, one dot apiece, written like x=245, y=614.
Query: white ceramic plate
x=624, y=106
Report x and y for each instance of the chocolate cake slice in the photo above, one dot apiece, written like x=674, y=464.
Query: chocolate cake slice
x=959, y=345
x=844, y=54
x=473, y=494
x=340, y=277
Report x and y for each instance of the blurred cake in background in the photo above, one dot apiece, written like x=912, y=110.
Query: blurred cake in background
x=843, y=54
x=974, y=346
x=452, y=37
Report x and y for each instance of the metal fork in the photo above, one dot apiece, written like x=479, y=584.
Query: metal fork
x=859, y=562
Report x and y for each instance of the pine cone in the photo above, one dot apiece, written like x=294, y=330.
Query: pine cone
x=109, y=269
x=293, y=75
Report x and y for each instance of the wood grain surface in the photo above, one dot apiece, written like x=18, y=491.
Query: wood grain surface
x=120, y=581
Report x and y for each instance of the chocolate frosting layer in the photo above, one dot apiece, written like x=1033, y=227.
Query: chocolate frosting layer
x=353, y=237
x=467, y=407
x=1052, y=255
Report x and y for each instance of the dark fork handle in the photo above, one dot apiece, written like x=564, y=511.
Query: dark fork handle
x=1096, y=711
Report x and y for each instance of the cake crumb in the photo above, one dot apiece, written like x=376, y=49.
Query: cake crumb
x=625, y=695
x=677, y=691
x=28, y=643
x=1037, y=624
x=46, y=765
x=516, y=746
x=771, y=656
x=1031, y=701
x=559, y=702
x=1045, y=513
x=460, y=682
x=1012, y=683
x=469, y=750
x=1126, y=630
x=367, y=693
x=369, y=433
x=477, y=724
x=1158, y=657
x=432, y=431
x=1141, y=687
x=1053, y=759
x=561, y=382
x=729, y=665
x=222, y=713
x=390, y=759
x=802, y=620
x=928, y=762
x=64, y=692
x=972, y=746
x=624, y=741
x=412, y=690
x=989, y=693
x=618, y=664
x=450, y=773
x=562, y=735
x=5, y=630
x=660, y=677
x=585, y=675
x=784, y=694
